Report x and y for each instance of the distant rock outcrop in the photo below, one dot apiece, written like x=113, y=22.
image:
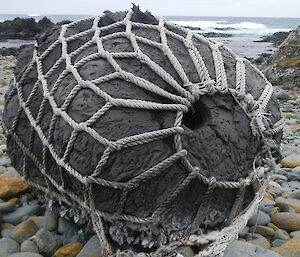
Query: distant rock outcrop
x=20, y=28
x=283, y=67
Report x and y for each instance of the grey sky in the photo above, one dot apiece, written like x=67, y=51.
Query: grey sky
x=252, y=8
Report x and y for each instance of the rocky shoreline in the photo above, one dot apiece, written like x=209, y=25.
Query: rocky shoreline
x=30, y=229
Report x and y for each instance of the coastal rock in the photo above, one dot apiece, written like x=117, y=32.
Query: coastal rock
x=8, y=246
x=260, y=218
x=7, y=207
x=283, y=67
x=295, y=234
x=287, y=221
x=11, y=185
x=291, y=161
x=24, y=231
x=289, y=249
x=47, y=242
x=69, y=250
x=17, y=216
x=25, y=254
x=29, y=246
x=239, y=249
x=284, y=204
x=263, y=230
x=262, y=242
x=91, y=248
x=277, y=38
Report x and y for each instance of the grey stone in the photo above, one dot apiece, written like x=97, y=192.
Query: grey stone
x=51, y=220
x=8, y=246
x=280, y=235
x=7, y=232
x=244, y=249
x=294, y=184
x=244, y=231
x=91, y=248
x=253, y=236
x=295, y=234
x=7, y=207
x=289, y=149
x=278, y=242
x=47, y=242
x=266, y=205
x=260, y=218
x=186, y=251
x=29, y=246
x=65, y=225
x=294, y=174
x=26, y=198
x=25, y=254
x=40, y=221
x=16, y=216
x=275, y=191
x=70, y=236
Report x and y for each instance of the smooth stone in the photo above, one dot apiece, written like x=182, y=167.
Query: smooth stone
x=279, y=177
x=70, y=236
x=262, y=230
x=26, y=198
x=244, y=249
x=40, y=221
x=69, y=250
x=290, y=248
x=11, y=185
x=295, y=234
x=275, y=191
x=294, y=174
x=16, y=216
x=6, y=232
x=286, y=220
x=8, y=246
x=295, y=195
x=24, y=231
x=260, y=218
x=244, y=231
x=91, y=248
x=266, y=205
x=278, y=242
x=294, y=184
x=287, y=150
x=47, y=242
x=25, y=254
x=65, y=225
x=252, y=236
x=262, y=242
x=291, y=161
x=285, y=203
x=281, y=234
x=7, y=207
x=51, y=220
x=29, y=246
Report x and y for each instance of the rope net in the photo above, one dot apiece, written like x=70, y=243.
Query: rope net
x=180, y=103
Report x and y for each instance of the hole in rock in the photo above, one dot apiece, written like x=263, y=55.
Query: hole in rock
x=196, y=116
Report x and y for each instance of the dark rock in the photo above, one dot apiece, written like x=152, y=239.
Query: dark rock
x=21, y=28
x=277, y=38
x=16, y=216
x=216, y=34
x=7, y=207
x=8, y=247
x=9, y=51
x=278, y=242
x=219, y=139
x=47, y=242
x=283, y=66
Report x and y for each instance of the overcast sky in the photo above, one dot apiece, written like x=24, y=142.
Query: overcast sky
x=250, y=8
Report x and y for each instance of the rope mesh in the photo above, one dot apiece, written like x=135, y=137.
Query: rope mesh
x=184, y=98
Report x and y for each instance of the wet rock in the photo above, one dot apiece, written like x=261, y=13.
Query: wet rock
x=286, y=220
x=262, y=242
x=16, y=216
x=11, y=185
x=285, y=203
x=91, y=248
x=8, y=246
x=7, y=207
x=69, y=250
x=24, y=231
x=239, y=249
x=47, y=242
x=263, y=230
x=291, y=161
x=289, y=249
x=281, y=234
x=278, y=242
x=260, y=218
x=29, y=246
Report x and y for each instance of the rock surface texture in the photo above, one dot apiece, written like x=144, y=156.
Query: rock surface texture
x=283, y=67
x=146, y=167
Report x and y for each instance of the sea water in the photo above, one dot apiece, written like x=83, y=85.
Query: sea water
x=245, y=31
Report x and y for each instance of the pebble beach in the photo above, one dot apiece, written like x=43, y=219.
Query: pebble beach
x=30, y=229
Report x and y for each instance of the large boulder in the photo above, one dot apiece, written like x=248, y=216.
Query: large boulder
x=77, y=138
x=283, y=67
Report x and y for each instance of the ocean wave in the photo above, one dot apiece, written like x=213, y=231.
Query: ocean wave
x=208, y=25
x=33, y=15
